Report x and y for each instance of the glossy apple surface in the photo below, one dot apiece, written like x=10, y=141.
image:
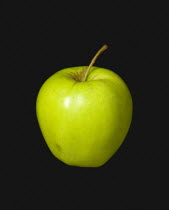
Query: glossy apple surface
x=84, y=123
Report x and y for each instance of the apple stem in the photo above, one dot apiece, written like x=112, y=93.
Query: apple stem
x=86, y=72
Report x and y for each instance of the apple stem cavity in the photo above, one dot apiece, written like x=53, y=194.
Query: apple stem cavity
x=87, y=71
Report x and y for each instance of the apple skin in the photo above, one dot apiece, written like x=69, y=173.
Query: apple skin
x=84, y=123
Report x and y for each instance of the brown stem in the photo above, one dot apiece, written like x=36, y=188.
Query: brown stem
x=93, y=61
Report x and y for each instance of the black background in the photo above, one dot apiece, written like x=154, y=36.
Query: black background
x=39, y=39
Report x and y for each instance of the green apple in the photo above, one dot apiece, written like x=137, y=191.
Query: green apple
x=84, y=114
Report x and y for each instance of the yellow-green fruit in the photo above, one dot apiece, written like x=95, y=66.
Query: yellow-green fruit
x=84, y=122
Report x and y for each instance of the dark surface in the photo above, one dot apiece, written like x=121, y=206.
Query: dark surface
x=40, y=39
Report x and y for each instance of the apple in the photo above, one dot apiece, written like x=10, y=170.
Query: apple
x=84, y=114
